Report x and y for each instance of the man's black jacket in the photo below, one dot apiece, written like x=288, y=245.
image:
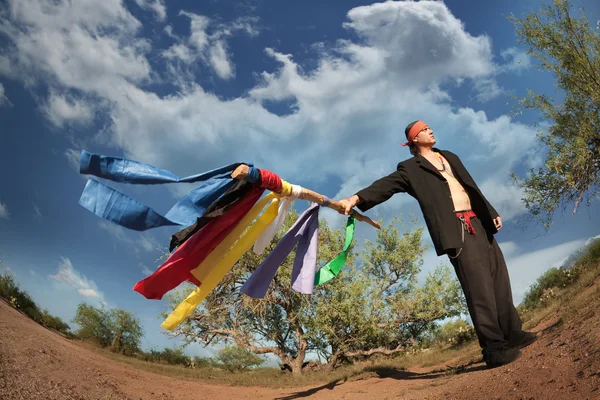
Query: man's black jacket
x=420, y=179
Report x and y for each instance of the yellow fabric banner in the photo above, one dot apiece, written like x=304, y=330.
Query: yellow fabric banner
x=210, y=277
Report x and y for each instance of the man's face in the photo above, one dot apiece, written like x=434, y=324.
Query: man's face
x=425, y=137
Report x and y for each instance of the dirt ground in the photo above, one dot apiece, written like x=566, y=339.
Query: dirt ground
x=564, y=363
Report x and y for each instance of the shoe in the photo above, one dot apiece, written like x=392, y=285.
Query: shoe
x=525, y=340
x=528, y=338
x=501, y=356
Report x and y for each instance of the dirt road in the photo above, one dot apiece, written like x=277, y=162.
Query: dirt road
x=36, y=363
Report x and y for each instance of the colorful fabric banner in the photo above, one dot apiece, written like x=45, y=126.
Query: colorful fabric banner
x=177, y=268
x=185, y=308
x=115, y=206
x=333, y=267
x=257, y=285
x=265, y=239
x=219, y=207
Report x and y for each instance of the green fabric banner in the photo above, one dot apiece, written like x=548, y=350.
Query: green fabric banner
x=333, y=267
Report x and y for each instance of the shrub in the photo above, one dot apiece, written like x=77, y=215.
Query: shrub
x=541, y=291
x=174, y=356
x=53, y=322
x=237, y=358
x=455, y=333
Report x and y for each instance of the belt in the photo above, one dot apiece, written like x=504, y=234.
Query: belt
x=465, y=217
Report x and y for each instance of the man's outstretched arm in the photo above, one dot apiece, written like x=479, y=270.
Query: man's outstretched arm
x=378, y=192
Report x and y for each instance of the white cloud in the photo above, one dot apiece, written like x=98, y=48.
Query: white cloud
x=219, y=59
x=179, y=52
x=487, y=89
x=516, y=60
x=60, y=110
x=117, y=231
x=67, y=275
x=350, y=111
x=73, y=157
x=4, y=211
x=37, y=212
x=509, y=249
x=157, y=6
x=88, y=292
x=87, y=45
x=148, y=243
x=145, y=270
x=524, y=269
x=9, y=271
x=3, y=99
x=145, y=242
x=207, y=42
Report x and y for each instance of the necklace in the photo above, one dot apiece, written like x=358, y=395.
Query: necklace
x=443, y=165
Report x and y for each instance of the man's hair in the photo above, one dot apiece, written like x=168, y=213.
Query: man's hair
x=411, y=146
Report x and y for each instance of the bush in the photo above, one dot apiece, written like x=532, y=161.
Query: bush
x=455, y=333
x=174, y=356
x=53, y=322
x=19, y=299
x=545, y=286
x=8, y=287
x=592, y=255
x=237, y=358
x=202, y=362
x=23, y=302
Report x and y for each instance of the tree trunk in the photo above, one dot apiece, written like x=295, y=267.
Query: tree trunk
x=116, y=343
x=335, y=359
x=340, y=356
x=297, y=365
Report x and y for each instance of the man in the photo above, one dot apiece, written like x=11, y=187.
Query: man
x=462, y=224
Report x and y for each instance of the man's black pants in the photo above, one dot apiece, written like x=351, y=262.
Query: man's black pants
x=482, y=273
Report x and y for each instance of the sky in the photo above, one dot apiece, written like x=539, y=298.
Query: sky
x=318, y=92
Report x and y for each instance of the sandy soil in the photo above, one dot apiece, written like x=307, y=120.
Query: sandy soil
x=564, y=363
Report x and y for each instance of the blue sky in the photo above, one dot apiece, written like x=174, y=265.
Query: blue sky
x=318, y=92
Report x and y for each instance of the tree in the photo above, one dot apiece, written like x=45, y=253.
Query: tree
x=569, y=49
x=238, y=358
x=54, y=322
x=379, y=308
x=94, y=323
x=355, y=314
x=274, y=324
x=127, y=332
x=116, y=328
x=22, y=301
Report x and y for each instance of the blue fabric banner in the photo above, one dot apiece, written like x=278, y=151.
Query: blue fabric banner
x=115, y=206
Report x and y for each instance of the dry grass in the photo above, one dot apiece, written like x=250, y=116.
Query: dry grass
x=273, y=377
x=566, y=304
x=569, y=300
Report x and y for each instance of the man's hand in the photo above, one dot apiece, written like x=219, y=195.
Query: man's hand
x=348, y=204
x=498, y=222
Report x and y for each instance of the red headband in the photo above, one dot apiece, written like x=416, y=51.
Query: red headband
x=414, y=131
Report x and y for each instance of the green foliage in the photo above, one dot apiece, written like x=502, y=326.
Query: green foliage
x=238, y=358
x=22, y=301
x=569, y=48
x=127, y=332
x=542, y=288
x=53, y=322
x=455, y=333
x=546, y=286
x=116, y=328
x=380, y=306
x=94, y=324
x=8, y=286
x=174, y=356
x=592, y=255
x=376, y=306
x=18, y=298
